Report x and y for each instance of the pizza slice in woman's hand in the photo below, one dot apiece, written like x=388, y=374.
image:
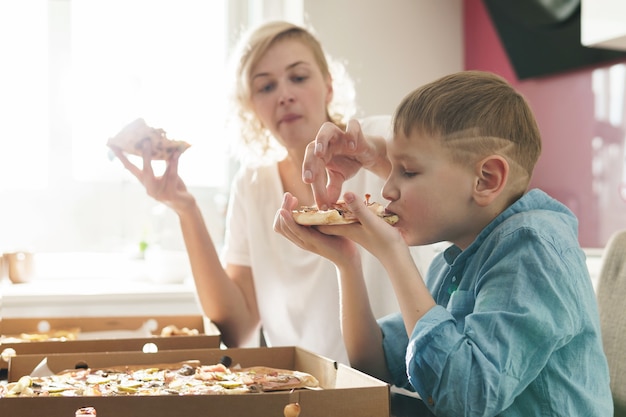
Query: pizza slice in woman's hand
x=130, y=140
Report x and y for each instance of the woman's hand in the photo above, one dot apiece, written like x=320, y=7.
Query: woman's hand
x=168, y=188
x=339, y=250
x=336, y=155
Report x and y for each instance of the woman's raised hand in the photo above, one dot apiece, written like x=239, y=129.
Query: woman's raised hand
x=168, y=188
x=336, y=156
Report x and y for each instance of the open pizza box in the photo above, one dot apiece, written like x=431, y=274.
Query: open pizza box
x=344, y=391
x=106, y=334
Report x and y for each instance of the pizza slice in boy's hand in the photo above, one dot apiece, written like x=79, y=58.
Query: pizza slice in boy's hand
x=130, y=140
x=338, y=214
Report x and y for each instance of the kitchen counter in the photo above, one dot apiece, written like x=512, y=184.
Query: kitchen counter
x=96, y=297
x=102, y=284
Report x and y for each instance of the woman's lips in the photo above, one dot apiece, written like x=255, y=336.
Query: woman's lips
x=288, y=118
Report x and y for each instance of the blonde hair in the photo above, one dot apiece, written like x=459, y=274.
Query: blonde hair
x=474, y=114
x=255, y=140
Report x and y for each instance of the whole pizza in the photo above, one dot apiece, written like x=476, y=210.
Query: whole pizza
x=181, y=378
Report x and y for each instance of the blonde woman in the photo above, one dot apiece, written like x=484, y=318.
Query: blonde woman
x=284, y=93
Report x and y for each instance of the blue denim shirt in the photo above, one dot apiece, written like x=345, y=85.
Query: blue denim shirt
x=516, y=329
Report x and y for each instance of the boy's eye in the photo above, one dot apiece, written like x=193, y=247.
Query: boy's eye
x=408, y=174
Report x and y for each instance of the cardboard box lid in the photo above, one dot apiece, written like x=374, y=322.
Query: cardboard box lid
x=92, y=324
x=110, y=334
x=346, y=391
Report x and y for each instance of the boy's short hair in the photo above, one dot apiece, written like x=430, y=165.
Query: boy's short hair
x=475, y=114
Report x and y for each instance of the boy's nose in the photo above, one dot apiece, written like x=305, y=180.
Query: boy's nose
x=389, y=191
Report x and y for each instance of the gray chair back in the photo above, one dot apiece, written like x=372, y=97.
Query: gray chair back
x=611, y=295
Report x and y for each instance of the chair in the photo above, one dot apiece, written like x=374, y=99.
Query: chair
x=611, y=295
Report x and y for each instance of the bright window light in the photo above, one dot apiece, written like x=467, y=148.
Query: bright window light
x=162, y=60
x=23, y=98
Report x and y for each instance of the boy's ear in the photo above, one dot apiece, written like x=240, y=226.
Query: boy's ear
x=492, y=174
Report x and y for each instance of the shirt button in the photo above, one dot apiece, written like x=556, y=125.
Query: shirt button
x=453, y=279
x=430, y=401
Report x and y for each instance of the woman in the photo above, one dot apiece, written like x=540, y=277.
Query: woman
x=284, y=93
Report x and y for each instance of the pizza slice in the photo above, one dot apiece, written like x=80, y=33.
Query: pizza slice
x=274, y=379
x=338, y=214
x=130, y=140
x=60, y=335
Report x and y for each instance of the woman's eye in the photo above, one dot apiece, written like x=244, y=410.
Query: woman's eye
x=266, y=88
x=408, y=174
x=299, y=78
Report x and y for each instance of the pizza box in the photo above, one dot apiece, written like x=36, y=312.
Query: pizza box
x=345, y=391
x=108, y=334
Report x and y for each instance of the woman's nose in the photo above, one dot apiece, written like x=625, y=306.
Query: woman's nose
x=286, y=96
x=284, y=99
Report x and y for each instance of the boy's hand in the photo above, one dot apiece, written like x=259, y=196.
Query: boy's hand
x=372, y=233
x=337, y=249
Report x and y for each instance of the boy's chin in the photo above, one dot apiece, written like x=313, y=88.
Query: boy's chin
x=413, y=240
x=409, y=239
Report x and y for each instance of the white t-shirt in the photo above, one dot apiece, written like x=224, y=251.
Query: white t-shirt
x=297, y=291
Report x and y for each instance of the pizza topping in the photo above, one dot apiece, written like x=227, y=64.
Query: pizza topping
x=187, y=370
x=226, y=361
x=60, y=335
x=173, y=330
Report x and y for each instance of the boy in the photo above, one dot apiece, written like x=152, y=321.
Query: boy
x=506, y=322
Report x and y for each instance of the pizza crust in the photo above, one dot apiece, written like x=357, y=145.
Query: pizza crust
x=313, y=217
x=130, y=140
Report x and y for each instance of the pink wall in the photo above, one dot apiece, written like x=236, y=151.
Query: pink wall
x=583, y=163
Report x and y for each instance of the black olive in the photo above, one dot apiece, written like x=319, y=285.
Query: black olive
x=226, y=361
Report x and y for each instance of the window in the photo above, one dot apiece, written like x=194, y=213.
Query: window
x=77, y=72
x=608, y=146
x=24, y=93
x=73, y=73
x=160, y=60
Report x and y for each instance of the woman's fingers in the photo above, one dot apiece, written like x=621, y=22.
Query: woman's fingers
x=146, y=147
x=132, y=168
